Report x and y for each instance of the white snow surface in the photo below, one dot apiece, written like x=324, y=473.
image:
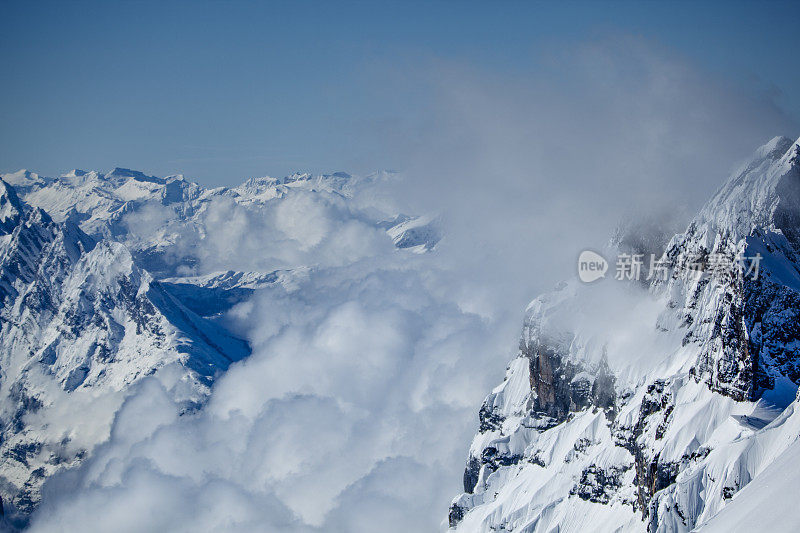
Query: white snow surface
x=768, y=503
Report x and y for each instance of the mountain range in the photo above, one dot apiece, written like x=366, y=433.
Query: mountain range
x=98, y=291
x=663, y=403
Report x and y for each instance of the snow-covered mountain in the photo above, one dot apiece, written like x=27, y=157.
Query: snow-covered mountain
x=81, y=322
x=651, y=409
x=103, y=282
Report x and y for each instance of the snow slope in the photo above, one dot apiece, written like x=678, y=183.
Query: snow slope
x=769, y=502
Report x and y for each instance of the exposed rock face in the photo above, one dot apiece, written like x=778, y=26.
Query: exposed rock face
x=561, y=386
x=654, y=416
x=587, y=445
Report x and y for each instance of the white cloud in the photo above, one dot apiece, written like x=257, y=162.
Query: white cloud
x=360, y=370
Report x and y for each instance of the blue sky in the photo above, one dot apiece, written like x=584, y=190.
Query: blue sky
x=225, y=91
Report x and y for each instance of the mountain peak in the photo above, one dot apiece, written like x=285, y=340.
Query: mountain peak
x=138, y=175
x=754, y=194
x=23, y=179
x=7, y=191
x=777, y=145
x=339, y=174
x=11, y=208
x=74, y=173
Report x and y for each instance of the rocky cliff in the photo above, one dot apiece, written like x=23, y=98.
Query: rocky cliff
x=653, y=417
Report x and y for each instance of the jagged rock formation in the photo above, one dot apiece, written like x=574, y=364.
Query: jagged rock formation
x=578, y=439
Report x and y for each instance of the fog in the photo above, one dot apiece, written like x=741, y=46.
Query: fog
x=532, y=167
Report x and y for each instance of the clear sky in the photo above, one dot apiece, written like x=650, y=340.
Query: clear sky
x=225, y=91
